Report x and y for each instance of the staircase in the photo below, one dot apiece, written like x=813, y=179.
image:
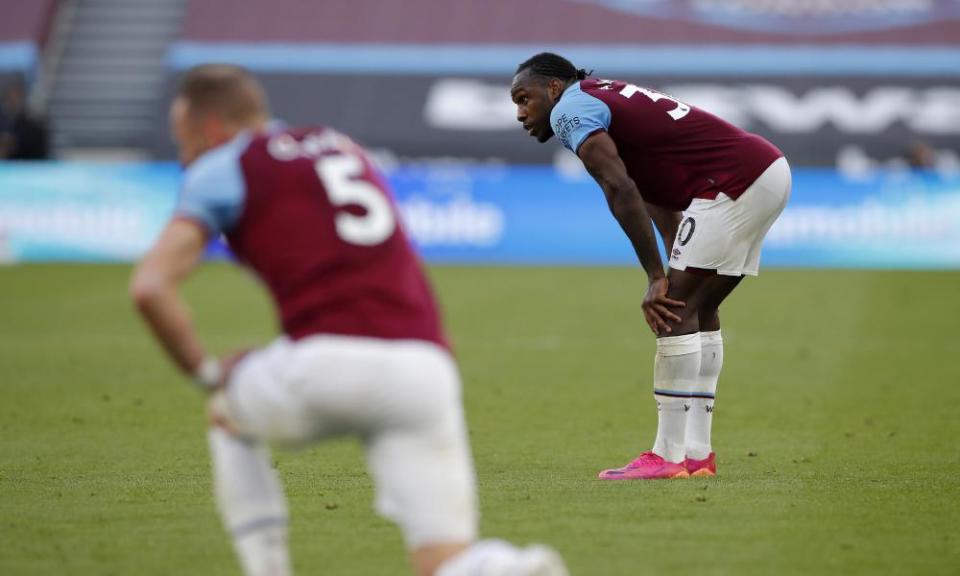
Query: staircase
x=108, y=78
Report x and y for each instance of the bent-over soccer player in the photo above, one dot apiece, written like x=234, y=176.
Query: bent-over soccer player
x=710, y=188
x=362, y=351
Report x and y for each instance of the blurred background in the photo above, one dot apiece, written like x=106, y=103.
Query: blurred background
x=838, y=409
x=862, y=96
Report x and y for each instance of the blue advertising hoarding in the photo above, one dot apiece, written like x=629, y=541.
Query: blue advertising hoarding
x=80, y=212
x=524, y=215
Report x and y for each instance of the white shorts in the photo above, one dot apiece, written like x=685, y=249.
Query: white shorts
x=401, y=398
x=725, y=234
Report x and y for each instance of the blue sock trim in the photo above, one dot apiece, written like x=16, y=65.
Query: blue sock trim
x=705, y=395
x=671, y=393
x=258, y=524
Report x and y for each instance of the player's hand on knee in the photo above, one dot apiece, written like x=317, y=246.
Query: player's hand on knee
x=218, y=409
x=214, y=373
x=218, y=413
x=656, y=306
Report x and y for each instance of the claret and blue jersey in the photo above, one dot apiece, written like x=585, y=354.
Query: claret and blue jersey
x=578, y=115
x=674, y=152
x=306, y=210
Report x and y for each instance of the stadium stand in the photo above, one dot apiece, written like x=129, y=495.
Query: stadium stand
x=108, y=82
x=537, y=21
x=428, y=78
x=24, y=27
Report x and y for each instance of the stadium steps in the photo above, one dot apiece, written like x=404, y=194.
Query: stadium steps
x=109, y=77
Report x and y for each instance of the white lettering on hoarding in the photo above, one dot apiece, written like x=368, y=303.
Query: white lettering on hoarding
x=459, y=222
x=463, y=104
x=73, y=221
x=917, y=220
x=472, y=105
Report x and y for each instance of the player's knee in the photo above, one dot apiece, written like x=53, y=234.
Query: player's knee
x=218, y=413
x=687, y=324
x=689, y=315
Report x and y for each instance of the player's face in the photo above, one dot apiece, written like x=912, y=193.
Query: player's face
x=186, y=132
x=535, y=99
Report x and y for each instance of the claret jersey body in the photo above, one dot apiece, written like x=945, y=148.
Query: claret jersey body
x=307, y=211
x=674, y=152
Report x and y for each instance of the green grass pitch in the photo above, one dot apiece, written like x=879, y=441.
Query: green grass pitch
x=837, y=428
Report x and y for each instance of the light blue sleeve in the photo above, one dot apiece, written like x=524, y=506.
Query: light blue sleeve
x=578, y=115
x=214, y=190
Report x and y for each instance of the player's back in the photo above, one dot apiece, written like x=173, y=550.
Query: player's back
x=673, y=151
x=320, y=228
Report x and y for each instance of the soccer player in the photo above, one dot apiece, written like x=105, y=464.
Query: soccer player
x=710, y=188
x=362, y=352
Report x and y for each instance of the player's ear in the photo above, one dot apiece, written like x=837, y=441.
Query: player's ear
x=555, y=89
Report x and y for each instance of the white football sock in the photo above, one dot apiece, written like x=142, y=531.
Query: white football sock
x=700, y=417
x=675, y=371
x=251, y=503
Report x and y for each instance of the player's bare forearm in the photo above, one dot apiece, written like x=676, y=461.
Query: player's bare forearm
x=170, y=322
x=599, y=156
x=154, y=290
x=667, y=222
x=628, y=209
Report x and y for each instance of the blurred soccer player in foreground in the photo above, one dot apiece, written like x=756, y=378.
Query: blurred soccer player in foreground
x=710, y=188
x=362, y=352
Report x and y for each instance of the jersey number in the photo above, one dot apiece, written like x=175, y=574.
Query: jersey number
x=677, y=113
x=338, y=175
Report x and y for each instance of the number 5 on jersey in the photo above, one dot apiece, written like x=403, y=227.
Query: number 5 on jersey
x=677, y=113
x=338, y=175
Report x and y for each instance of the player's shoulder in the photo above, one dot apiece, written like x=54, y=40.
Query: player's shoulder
x=217, y=164
x=214, y=188
x=572, y=95
x=575, y=101
x=577, y=115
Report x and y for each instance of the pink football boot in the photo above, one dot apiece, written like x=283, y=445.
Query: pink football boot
x=705, y=467
x=648, y=466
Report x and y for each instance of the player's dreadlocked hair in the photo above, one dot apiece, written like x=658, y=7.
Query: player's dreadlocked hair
x=550, y=65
